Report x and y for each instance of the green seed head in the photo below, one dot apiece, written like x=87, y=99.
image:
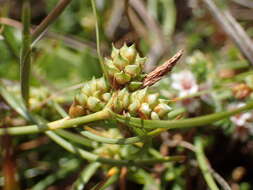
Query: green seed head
x=124, y=66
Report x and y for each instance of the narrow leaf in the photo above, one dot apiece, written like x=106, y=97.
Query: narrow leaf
x=25, y=58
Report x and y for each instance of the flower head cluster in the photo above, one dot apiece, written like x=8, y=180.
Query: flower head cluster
x=92, y=98
x=124, y=95
x=141, y=104
x=125, y=68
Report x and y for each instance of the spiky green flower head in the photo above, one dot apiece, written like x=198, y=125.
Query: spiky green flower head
x=92, y=97
x=125, y=68
x=141, y=104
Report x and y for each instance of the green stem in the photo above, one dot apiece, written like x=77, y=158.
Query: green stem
x=183, y=123
x=59, y=124
x=101, y=61
x=53, y=15
x=85, y=176
x=25, y=58
x=202, y=161
x=95, y=158
x=130, y=140
x=74, y=137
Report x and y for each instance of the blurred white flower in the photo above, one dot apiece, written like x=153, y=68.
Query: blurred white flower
x=184, y=82
x=240, y=119
x=243, y=122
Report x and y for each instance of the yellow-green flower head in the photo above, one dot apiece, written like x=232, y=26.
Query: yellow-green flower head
x=92, y=97
x=141, y=104
x=125, y=67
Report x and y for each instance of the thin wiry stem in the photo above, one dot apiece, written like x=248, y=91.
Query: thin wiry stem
x=182, y=123
x=25, y=58
x=53, y=15
x=94, y=9
x=202, y=161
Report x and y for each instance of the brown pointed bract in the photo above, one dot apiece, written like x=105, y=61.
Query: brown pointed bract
x=156, y=75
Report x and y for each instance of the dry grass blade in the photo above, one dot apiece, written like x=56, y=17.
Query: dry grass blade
x=156, y=75
x=233, y=29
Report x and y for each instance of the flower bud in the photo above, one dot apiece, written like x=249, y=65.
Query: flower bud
x=93, y=84
x=122, y=78
x=120, y=62
x=86, y=89
x=106, y=96
x=101, y=84
x=134, y=85
x=123, y=96
x=140, y=61
x=154, y=116
x=145, y=110
x=94, y=104
x=128, y=53
x=162, y=109
x=76, y=110
x=81, y=99
x=110, y=68
x=133, y=107
x=115, y=52
x=152, y=99
x=132, y=70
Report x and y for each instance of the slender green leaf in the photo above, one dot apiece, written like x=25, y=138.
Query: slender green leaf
x=25, y=57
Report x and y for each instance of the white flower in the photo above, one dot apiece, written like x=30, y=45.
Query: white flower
x=240, y=119
x=184, y=82
x=244, y=126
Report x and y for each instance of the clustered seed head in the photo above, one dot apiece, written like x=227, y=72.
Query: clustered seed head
x=125, y=68
x=92, y=98
x=141, y=104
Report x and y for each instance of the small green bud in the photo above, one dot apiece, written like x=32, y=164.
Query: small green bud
x=120, y=62
x=154, y=116
x=115, y=52
x=152, y=99
x=122, y=78
x=134, y=85
x=162, y=109
x=101, y=84
x=133, y=107
x=145, y=109
x=81, y=98
x=106, y=96
x=86, y=89
x=117, y=105
x=140, y=95
x=110, y=68
x=93, y=84
x=125, y=98
x=140, y=61
x=128, y=53
x=94, y=104
x=132, y=70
